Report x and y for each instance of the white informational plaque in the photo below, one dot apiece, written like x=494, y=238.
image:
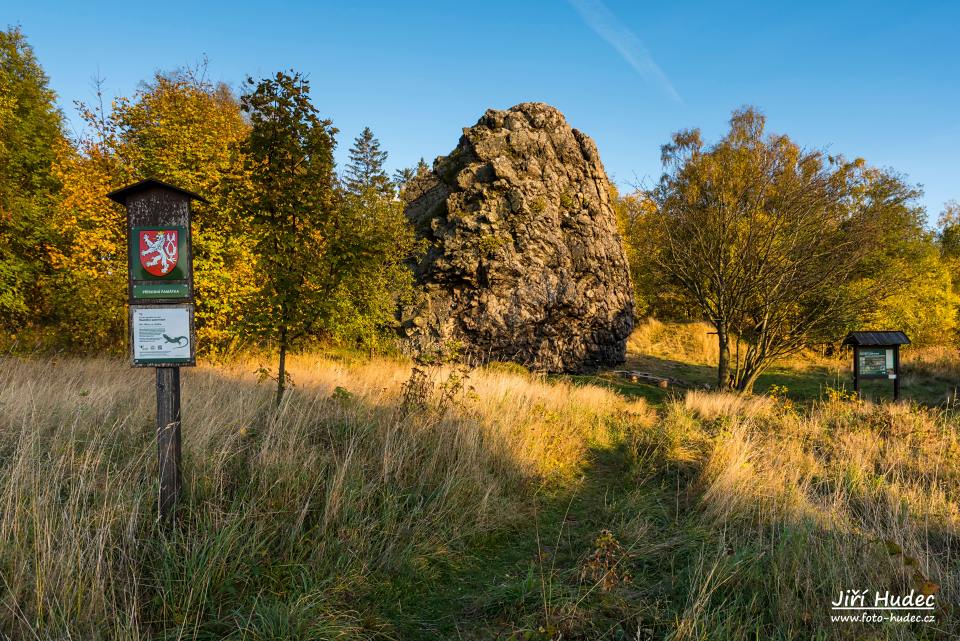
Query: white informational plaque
x=161, y=334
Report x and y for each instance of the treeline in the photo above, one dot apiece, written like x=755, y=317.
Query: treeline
x=285, y=244
x=779, y=247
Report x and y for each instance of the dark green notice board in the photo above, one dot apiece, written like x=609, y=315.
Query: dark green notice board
x=875, y=362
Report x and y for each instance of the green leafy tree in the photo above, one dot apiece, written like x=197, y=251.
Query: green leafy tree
x=948, y=240
x=370, y=243
x=292, y=209
x=922, y=301
x=332, y=264
x=948, y=230
x=31, y=137
x=926, y=307
x=774, y=243
x=365, y=169
x=654, y=295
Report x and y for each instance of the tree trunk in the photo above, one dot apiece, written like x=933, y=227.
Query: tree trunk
x=745, y=386
x=723, y=365
x=282, y=370
x=751, y=372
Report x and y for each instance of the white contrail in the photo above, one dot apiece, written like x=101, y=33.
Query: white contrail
x=606, y=25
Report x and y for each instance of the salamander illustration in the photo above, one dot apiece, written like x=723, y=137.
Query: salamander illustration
x=179, y=341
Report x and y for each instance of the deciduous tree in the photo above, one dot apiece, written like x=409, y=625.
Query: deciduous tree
x=331, y=263
x=367, y=268
x=292, y=209
x=30, y=138
x=948, y=229
x=179, y=128
x=654, y=294
x=923, y=302
x=770, y=241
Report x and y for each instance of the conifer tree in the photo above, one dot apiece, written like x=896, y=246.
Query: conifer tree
x=402, y=177
x=365, y=169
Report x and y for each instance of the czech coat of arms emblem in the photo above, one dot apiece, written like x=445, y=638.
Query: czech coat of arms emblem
x=158, y=251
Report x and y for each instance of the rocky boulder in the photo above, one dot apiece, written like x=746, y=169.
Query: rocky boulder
x=524, y=260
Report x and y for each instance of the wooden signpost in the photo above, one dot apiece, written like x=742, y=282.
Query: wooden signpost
x=876, y=355
x=160, y=297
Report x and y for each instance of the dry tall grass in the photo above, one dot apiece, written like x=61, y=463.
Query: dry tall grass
x=339, y=483
x=808, y=503
x=685, y=342
x=933, y=361
x=291, y=517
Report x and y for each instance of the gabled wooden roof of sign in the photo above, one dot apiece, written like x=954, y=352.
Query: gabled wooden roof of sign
x=121, y=195
x=876, y=339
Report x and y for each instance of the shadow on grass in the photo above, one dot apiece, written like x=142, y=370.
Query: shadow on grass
x=619, y=551
x=260, y=555
x=286, y=522
x=630, y=551
x=560, y=573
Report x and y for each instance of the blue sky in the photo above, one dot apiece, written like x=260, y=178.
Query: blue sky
x=879, y=80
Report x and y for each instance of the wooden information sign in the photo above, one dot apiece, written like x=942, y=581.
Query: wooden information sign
x=876, y=355
x=162, y=335
x=160, y=297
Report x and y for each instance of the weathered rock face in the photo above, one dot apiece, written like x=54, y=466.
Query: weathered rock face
x=525, y=262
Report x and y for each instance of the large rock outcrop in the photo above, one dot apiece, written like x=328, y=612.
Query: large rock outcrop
x=525, y=262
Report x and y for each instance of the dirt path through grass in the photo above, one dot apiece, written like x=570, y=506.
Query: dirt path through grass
x=563, y=569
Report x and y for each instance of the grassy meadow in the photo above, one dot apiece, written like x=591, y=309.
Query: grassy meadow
x=383, y=501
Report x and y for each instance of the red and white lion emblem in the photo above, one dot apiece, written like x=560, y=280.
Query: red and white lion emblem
x=158, y=251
